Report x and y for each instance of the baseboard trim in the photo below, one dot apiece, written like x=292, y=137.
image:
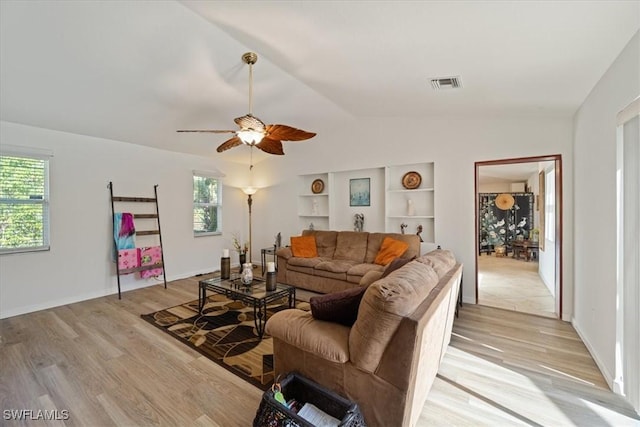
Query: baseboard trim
x=608, y=377
x=138, y=284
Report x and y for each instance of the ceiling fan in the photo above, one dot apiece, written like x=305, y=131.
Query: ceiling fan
x=253, y=131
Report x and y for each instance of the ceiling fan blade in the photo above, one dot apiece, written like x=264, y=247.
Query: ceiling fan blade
x=249, y=121
x=229, y=143
x=206, y=131
x=288, y=133
x=271, y=146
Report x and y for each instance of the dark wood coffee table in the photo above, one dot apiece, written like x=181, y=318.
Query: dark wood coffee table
x=255, y=295
x=525, y=248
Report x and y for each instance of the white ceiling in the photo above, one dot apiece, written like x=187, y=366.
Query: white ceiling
x=136, y=71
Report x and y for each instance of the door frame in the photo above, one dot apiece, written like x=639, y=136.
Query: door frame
x=557, y=159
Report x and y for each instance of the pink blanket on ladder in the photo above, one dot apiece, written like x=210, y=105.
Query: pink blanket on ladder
x=128, y=258
x=150, y=256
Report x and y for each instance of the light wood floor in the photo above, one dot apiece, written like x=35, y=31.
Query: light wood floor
x=105, y=365
x=513, y=284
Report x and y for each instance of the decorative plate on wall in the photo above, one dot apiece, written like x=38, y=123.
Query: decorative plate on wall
x=317, y=186
x=411, y=180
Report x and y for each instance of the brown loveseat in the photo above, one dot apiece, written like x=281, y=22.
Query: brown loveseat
x=388, y=359
x=344, y=259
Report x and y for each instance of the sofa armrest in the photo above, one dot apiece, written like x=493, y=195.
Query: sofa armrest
x=370, y=277
x=298, y=328
x=284, y=252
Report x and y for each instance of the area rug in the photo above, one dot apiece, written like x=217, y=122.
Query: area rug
x=225, y=333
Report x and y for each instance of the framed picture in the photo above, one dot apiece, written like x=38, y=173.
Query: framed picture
x=360, y=192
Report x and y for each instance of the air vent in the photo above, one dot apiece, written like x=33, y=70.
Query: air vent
x=446, y=83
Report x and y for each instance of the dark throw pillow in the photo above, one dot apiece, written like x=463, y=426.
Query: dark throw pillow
x=338, y=307
x=396, y=264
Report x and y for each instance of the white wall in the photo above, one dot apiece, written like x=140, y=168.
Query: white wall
x=454, y=144
x=495, y=187
x=344, y=214
x=78, y=265
x=83, y=166
x=595, y=205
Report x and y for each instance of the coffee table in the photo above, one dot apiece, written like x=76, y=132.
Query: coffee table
x=255, y=295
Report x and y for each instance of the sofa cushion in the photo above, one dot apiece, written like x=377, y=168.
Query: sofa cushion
x=303, y=265
x=340, y=307
x=305, y=262
x=355, y=273
x=304, y=246
x=390, y=250
x=335, y=269
x=395, y=264
x=441, y=260
x=370, y=277
x=325, y=241
x=362, y=269
x=298, y=328
x=375, y=242
x=383, y=307
x=305, y=270
x=351, y=245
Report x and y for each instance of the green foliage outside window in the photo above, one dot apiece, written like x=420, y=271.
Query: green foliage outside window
x=206, y=205
x=24, y=208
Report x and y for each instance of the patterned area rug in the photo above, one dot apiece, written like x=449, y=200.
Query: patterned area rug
x=225, y=333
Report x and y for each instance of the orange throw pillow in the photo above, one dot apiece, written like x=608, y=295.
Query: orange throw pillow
x=390, y=250
x=304, y=246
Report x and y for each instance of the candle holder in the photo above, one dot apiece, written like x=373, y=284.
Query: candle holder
x=270, y=283
x=225, y=268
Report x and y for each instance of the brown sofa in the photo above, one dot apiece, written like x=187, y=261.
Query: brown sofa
x=388, y=359
x=343, y=261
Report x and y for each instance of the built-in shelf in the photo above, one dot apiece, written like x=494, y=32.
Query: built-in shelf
x=313, y=208
x=388, y=210
x=422, y=201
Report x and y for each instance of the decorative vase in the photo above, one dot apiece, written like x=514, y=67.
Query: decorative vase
x=411, y=210
x=225, y=268
x=271, y=281
x=243, y=259
x=247, y=274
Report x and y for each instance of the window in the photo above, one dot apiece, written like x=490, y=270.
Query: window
x=24, y=202
x=207, y=204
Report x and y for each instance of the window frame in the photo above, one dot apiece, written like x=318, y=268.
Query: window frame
x=39, y=155
x=197, y=205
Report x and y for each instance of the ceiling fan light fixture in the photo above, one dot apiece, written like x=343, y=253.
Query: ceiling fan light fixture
x=252, y=131
x=250, y=136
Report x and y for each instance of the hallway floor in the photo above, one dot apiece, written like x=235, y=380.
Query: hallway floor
x=513, y=284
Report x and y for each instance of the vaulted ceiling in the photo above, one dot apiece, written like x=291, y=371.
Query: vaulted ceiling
x=136, y=71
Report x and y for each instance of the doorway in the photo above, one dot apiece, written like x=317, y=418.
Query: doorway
x=519, y=234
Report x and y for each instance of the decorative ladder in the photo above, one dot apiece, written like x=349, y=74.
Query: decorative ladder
x=156, y=216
